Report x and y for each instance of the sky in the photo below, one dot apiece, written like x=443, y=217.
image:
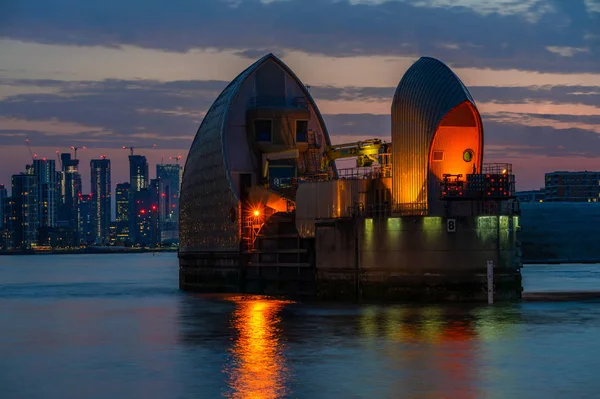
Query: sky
x=113, y=73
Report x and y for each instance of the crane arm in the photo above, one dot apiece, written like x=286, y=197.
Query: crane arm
x=366, y=152
x=33, y=156
x=137, y=146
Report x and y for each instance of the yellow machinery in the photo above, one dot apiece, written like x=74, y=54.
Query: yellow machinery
x=366, y=152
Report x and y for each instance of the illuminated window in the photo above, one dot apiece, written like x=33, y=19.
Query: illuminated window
x=468, y=155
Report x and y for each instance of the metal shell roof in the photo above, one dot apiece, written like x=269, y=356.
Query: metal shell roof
x=427, y=92
x=207, y=193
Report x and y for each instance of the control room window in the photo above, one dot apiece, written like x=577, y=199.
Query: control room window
x=301, y=131
x=263, y=129
x=438, y=155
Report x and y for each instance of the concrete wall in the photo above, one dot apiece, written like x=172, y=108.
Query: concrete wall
x=560, y=231
x=418, y=244
x=423, y=244
x=417, y=258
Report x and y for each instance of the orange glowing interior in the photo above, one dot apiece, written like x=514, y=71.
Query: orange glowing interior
x=460, y=131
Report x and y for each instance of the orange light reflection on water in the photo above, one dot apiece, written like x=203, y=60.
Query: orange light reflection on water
x=259, y=368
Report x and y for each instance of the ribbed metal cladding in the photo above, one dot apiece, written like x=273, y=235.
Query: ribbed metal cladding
x=206, y=192
x=426, y=93
x=208, y=198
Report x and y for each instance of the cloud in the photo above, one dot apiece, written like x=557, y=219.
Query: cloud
x=565, y=51
x=117, y=112
x=520, y=122
x=508, y=34
x=531, y=10
x=585, y=95
x=592, y=6
x=111, y=112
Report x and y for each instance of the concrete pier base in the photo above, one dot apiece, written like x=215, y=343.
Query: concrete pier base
x=395, y=259
x=417, y=258
x=210, y=272
x=374, y=286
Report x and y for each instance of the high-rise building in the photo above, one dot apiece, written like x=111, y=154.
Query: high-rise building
x=24, y=211
x=4, y=211
x=145, y=226
x=100, y=191
x=70, y=191
x=84, y=219
x=122, y=209
x=138, y=178
x=3, y=201
x=122, y=202
x=168, y=200
x=47, y=191
x=112, y=233
x=138, y=172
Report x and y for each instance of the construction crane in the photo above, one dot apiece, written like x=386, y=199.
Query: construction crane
x=75, y=150
x=177, y=158
x=366, y=152
x=33, y=156
x=141, y=146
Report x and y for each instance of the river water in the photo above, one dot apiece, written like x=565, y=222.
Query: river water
x=116, y=326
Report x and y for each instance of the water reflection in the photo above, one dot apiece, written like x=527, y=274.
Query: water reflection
x=433, y=351
x=278, y=349
x=435, y=324
x=258, y=367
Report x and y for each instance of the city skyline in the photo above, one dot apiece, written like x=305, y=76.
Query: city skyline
x=48, y=207
x=119, y=167
x=105, y=85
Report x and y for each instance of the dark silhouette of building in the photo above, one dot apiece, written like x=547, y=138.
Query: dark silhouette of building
x=58, y=237
x=100, y=191
x=531, y=195
x=4, y=216
x=138, y=172
x=168, y=200
x=138, y=179
x=47, y=191
x=70, y=192
x=3, y=201
x=572, y=186
x=24, y=219
x=84, y=219
x=146, y=231
x=112, y=234
x=122, y=197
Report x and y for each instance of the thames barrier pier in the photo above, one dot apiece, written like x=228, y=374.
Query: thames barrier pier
x=265, y=210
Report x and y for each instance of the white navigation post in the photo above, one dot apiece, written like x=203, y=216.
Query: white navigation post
x=490, y=281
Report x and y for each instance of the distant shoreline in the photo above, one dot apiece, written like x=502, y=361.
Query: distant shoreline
x=87, y=251
x=560, y=261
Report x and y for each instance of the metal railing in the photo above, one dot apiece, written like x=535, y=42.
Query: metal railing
x=496, y=168
x=365, y=172
x=410, y=209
